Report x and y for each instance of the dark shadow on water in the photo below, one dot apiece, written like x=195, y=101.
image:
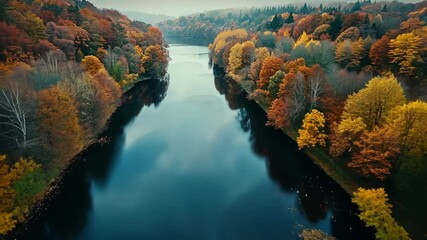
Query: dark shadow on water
x=294, y=172
x=68, y=213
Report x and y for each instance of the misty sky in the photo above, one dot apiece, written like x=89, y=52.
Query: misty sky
x=183, y=7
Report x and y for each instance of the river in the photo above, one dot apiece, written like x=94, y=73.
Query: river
x=193, y=159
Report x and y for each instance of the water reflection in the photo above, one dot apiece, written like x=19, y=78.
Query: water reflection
x=69, y=211
x=201, y=166
x=318, y=197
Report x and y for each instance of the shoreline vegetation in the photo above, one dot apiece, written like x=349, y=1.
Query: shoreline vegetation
x=350, y=90
x=64, y=67
x=342, y=175
x=53, y=189
x=346, y=82
x=347, y=179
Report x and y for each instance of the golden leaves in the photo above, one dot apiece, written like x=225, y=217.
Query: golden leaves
x=312, y=132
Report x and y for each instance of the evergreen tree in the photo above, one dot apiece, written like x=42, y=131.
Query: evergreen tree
x=290, y=18
x=120, y=37
x=304, y=9
x=357, y=7
x=336, y=26
x=276, y=23
x=4, y=7
x=384, y=9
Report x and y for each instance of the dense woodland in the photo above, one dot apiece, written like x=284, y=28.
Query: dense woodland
x=347, y=81
x=64, y=66
x=207, y=25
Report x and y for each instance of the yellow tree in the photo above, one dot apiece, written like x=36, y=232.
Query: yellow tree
x=7, y=222
x=22, y=167
x=345, y=134
x=409, y=122
x=140, y=53
x=33, y=25
x=312, y=132
x=11, y=208
x=261, y=53
x=375, y=101
x=376, y=212
x=62, y=134
x=221, y=40
x=405, y=51
x=248, y=53
x=302, y=40
x=155, y=61
x=235, y=58
x=92, y=64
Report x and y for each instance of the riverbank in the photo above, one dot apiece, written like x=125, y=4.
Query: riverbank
x=53, y=189
x=337, y=170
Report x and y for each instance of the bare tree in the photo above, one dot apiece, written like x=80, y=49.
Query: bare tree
x=298, y=99
x=13, y=114
x=316, y=89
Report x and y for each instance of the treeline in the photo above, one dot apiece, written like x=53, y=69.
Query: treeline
x=64, y=66
x=351, y=84
x=207, y=25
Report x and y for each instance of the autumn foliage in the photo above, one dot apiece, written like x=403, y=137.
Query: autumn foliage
x=59, y=123
x=10, y=178
x=376, y=212
x=375, y=153
x=63, y=68
x=344, y=77
x=269, y=67
x=374, y=102
x=312, y=131
x=379, y=52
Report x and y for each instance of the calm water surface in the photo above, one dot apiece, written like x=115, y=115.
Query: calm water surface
x=194, y=160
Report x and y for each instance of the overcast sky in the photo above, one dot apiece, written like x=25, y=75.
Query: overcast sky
x=178, y=8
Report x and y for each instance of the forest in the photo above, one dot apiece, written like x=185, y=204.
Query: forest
x=64, y=67
x=346, y=81
x=349, y=85
x=207, y=25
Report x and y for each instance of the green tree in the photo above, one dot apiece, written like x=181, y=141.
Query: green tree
x=336, y=26
x=4, y=8
x=33, y=26
x=276, y=23
x=274, y=84
x=290, y=18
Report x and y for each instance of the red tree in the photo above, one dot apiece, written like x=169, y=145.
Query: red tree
x=269, y=67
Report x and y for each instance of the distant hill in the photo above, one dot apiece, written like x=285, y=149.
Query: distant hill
x=152, y=19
